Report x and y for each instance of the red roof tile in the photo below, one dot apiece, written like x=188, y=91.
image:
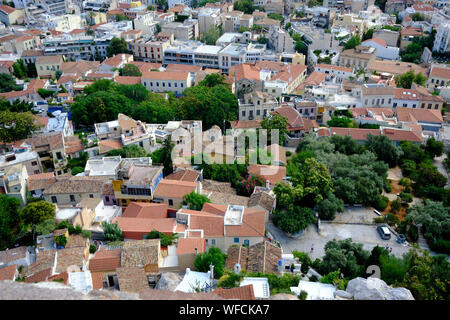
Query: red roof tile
x=7, y=273
x=239, y=293
x=105, y=260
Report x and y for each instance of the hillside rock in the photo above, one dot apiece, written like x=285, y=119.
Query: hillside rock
x=168, y=281
x=376, y=289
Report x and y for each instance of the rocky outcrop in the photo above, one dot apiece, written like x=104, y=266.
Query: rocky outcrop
x=168, y=281
x=343, y=295
x=376, y=289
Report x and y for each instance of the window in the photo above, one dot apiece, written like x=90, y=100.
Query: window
x=213, y=242
x=157, y=84
x=236, y=240
x=181, y=85
x=247, y=242
x=72, y=198
x=243, y=113
x=36, y=172
x=170, y=201
x=34, y=163
x=258, y=112
x=58, y=155
x=54, y=200
x=107, y=198
x=91, y=195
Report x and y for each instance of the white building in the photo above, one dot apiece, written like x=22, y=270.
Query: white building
x=383, y=50
x=231, y=55
x=208, y=18
x=442, y=40
x=315, y=290
x=166, y=81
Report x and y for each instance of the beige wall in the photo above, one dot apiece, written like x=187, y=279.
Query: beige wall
x=65, y=198
x=47, y=69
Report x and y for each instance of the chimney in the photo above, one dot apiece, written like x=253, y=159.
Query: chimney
x=187, y=271
x=196, y=251
x=211, y=270
x=267, y=184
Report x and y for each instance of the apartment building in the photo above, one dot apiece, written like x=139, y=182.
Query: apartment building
x=280, y=41
x=256, y=105
x=22, y=155
x=13, y=182
x=334, y=73
x=186, y=30
x=173, y=81
x=358, y=58
x=231, y=21
x=77, y=47
x=407, y=35
x=208, y=18
x=149, y=50
x=47, y=66
x=232, y=55
x=136, y=180
x=383, y=50
x=10, y=15
x=442, y=38
x=438, y=77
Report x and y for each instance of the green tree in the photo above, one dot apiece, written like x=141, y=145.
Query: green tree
x=294, y=219
x=425, y=175
x=368, y=34
x=58, y=74
x=20, y=69
x=275, y=122
x=167, y=157
x=434, y=148
x=344, y=255
x=32, y=72
x=417, y=17
x=211, y=35
x=10, y=220
x=352, y=42
x=44, y=93
x=116, y=46
x=162, y=4
x=344, y=144
x=195, y=201
x=276, y=16
x=130, y=70
x=384, y=148
x=328, y=207
x=112, y=232
x=35, y=213
x=7, y=83
x=343, y=122
x=245, y=6
x=214, y=257
x=46, y=227
x=304, y=259
x=15, y=126
x=212, y=80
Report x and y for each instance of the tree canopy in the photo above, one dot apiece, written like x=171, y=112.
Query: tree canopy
x=130, y=70
x=7, y=83
x=112, y=231
x=116, y=46
x=10, y=220
x=352, y=42
x=406, y=80
x=195, y=201
x=16, y=125
x=384, y=148
x=213, y=256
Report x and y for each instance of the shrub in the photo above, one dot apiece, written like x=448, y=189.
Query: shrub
x=86, y=233
x=229, y=280
x=396, y=205
x=313, y=278
x=404, y=182
x=71, y=229
x=303, y=295
x=407, y=197
x=61, y=240
x=304, y=259
x=92, y=249
x=288, y=153
x=63, y=224
x=387, y=186
x=392, y=219
x=440, y=245
x=381, y=203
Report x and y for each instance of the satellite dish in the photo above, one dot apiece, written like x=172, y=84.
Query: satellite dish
x=237, y=268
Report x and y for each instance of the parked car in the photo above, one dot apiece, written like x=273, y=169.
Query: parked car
x=401, y=238
x=384, y=232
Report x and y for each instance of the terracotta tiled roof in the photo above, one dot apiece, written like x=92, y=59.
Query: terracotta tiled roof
x=315, y=78
x=32, y=53
x=7, y=9
x=239, y=293
x=355, y=133
x=49, y=59
x=264, y=257
x=132, y=279
x=7, y=273
x=400, y=135
x=97, y=280
x=211, y=224
x=105, y=260
x=440, y=73
x=69, y=257
x=75, y=186
x=184, y=175
x=39, y=276
x=174, y=188
x=53, y=141
x=127, y=80
x=245, y=71
x=108, y=189
x=109, y=144
x=406, y=94
x=237, y=254
x=146, y=225
x=40, y=181
x=117, y=59
x=262, y=199
x=396, y=67
x=60, y=276
x=146, y=66
x=188, y=245
x=140, y=253
x=183, y=67
x=379, y=41
x=45, y=260
x=64, y=79
x=77, y=240
x=426, y=115
x=274, y=174
x=146, y=210
x=73, y=144
x=9, y=255
x=357, y=112
x=246, y=124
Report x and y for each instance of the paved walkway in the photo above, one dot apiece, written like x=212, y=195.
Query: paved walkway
x=439, y=163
